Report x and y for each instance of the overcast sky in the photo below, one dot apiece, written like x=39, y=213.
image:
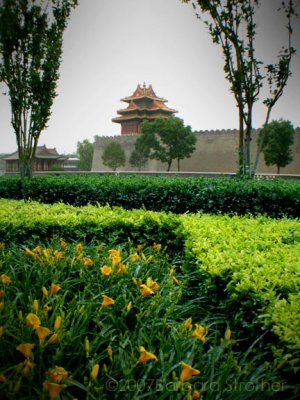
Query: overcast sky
x=112, y=45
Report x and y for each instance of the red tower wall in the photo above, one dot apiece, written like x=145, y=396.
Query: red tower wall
x=130, y=128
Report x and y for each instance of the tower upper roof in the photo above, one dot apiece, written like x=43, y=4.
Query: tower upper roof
x=142, y=92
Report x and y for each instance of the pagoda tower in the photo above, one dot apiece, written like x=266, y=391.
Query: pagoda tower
x=142, y=104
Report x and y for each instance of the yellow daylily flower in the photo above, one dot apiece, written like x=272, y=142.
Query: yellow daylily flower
x=88, y=262
x=139, y=247
x=95, y=371
x=79, y=247
x=187, y=372
x=175, y=280
x=35, y=305
x=199, y=333
x=137, y=281
x=25, y=349
x=107, y=301
x=227, y=335
x=57, y=323
x=29, y=253
x=55, y=287
x=45, y=291
x=57, y=374
x=47, y=253
x=187, y=323
x=145, y=291
x=105, y=270
x=87, y=346
x=63, y=244
x=59, y=255
x=53, y=389
x=5, y=279
x=53, y=339
x=145, y=355
x=116, y=260
x=129, y=306
x=47, y=308
x=134, y=257
x=33, y=320
x=27, y=367
x=122, y=269
x=152, y=284
x=196, y=395
x=42, y=332
x=110, y=352
x=156, y=246
x=114, y=252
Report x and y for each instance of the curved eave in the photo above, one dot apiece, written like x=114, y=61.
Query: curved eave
x=131, y=98
x=138, y=118
x=147, y=110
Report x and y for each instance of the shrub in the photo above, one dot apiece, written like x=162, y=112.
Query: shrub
x=276, y=198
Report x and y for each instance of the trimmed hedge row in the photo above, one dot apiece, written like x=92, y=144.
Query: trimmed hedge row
x=276, y=198
x=249, y=267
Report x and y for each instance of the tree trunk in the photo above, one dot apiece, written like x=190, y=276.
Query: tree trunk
x=241, y=165
x=278, y=169
x=260, y=144
x=178, y=164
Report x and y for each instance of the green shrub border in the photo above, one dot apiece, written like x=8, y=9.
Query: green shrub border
x=276, y=198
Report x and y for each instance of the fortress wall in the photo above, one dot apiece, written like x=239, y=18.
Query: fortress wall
x=216, y=151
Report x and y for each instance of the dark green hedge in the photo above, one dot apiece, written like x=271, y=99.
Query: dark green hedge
x=276, y=198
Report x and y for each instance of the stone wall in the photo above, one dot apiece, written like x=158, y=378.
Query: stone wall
x=216, y=151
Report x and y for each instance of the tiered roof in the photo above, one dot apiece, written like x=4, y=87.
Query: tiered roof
x=144, y=104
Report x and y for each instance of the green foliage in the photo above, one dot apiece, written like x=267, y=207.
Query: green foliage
x=138, y=158
x=275, y=198
x=113, y=156
x=85, y=152
x=232, y=26
x=93, y=350
x=56, y=168
x=166, y=140
x=241, y=273
x=30, y=54
x=276, y=138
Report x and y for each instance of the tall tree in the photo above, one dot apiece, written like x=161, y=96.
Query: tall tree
x=113, y=156
x=138, y=158
x=275, y=140
x=166, y=140
x=85, y=151
x=31, y=38
x=231, y=25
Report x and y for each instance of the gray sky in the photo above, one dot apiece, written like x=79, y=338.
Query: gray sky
x=112, y=45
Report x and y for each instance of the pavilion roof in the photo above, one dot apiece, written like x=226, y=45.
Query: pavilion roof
x=42, y=152
x=143, y=92
x=139, y=116
x=155, y=105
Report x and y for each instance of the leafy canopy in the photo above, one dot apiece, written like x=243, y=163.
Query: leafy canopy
x=275, y=140
x=85, y=151
x=232, y=25
x=114, y=156
x=166, y=140
x=31, y=37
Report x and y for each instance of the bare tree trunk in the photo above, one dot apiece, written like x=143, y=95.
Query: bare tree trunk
x=260, y=143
